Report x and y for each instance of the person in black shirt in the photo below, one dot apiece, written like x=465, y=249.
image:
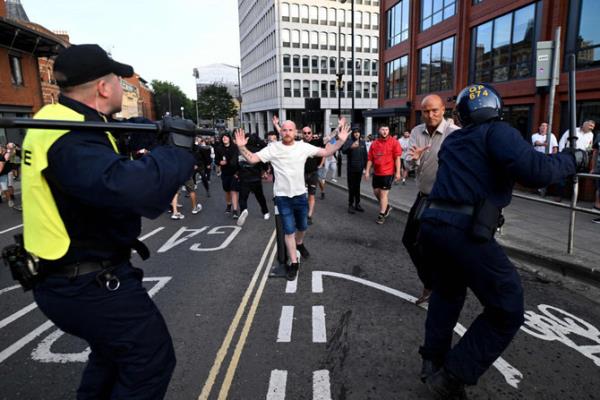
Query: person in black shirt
x=356, y=151
x=250, y=176
x=311, y=168
x=226, y=157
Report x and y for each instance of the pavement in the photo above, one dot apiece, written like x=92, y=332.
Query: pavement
x=533, y=232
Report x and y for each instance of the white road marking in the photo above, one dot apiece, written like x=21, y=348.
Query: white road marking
x=19, y=344
x=321, y=385
x=292, y=286
x=318, y=324
x=175, y=240
x=11, y=229
x=154, y=232
x=512, y=376
x=8, y=289
x=277, y=384
x=17, y=315
x=219, y=231
x=284, y=335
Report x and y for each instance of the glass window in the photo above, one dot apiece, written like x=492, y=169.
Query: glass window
x=396, y=79
x=305, y=64
x=304, y=13
x=285, y=37
x=358, y=93
x=315, y=88
x=374, y=90
x=436, y=66
x=332, y=89
x=588, y=39
x=358, y=19
x=323, y=88
x=502, y=49
x=374, y=43
x=341, y=18
x=332, y=16
x=367, y=20
x=314, y=64
x=343, y=65
x=314, y=14
x=519, y=116
x=296, y=88
x=332, y=65
x=305, y=88
x=358, y=42
x=314, y=39
x=287, y=88
x=285, y=11
x=435, y=11
x=296, y=63
x=323, y=15
x=342, y=40
x=324, y=65
x=16, y=71
x=286, y=63
x=295, y=11
x=304, y=39
x=348, y=17
x=397, y=23
x=323, y=40
x=332, y=41
x=296, y=38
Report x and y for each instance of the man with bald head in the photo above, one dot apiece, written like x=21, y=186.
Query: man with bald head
x=287, y=158
x=424, y=144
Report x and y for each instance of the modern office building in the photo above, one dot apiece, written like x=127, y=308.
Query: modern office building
x=292, y=51
x=439, y=46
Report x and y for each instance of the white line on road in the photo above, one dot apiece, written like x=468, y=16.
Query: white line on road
x=8, y=289
x=318, y=322
x=512, y=376
x=10, y=229
x=19, y=344
x=154, y=232
x=292, y=286
x=277, y=385
x=284, y=335
x=17, y=315
x=321, y=385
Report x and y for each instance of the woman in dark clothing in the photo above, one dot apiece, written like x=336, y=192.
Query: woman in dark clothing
x=356, y=151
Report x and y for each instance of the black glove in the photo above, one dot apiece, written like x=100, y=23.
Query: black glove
x=581, y=158
x=177, y=132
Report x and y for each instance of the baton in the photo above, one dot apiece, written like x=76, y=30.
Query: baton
x=29, y=123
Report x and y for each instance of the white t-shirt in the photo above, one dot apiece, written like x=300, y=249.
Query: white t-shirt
x=584, y=140
x=288, y=166
x=537, y=137
x=404, y=144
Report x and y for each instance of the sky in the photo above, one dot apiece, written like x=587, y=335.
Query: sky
x=162, y=40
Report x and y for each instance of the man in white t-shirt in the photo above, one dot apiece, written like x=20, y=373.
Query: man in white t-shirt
x=538, y=140
x=287, y=157
x=585, y=136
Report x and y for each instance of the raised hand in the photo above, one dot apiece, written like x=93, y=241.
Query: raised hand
x=275, y=120
x=344, y=130
x=240, y=137
x=415, y=152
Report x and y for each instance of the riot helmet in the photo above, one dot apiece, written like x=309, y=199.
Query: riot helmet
x=478, y=103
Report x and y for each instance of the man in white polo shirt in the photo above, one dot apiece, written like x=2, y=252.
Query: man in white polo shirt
x=288, y=158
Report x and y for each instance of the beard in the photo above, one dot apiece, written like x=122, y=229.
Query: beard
x=287, y=140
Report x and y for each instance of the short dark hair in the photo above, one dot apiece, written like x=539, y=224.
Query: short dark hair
x=273, y=133
x=384, y=126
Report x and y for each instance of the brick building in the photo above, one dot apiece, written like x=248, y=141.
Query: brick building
x=439, y=46
x=145, y=96
x=21, y=45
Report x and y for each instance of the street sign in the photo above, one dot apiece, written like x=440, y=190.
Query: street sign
x=543, y=64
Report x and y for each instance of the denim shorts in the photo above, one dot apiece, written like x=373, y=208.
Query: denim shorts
x=293, y=212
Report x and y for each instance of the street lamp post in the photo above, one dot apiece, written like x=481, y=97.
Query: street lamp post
x=196, y=75
x=182, y=112
x=340, y=74
x=239, y=91
x=352, y=43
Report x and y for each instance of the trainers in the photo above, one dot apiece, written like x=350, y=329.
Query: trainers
x=17, y=208
x=387, y=212
x=333, y=180
x=444, y=385
x=359, y=208
x=596, y=220
x=351, y=210
x=292, y=271
x=242, y=218
x=404, y=181
x=197, y=209
x=266, y=216
x=303, y=251
x=228, y=209
x=380, y=219
x=11, y=203
x=236, y=214
x=177, y=215
x=309, y=220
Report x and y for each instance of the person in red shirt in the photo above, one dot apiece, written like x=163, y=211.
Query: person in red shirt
x=384, y=157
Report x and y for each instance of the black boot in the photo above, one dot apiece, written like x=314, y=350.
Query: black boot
x=444, y=386
x=303, y=251
x=351, y=210
x=292, y=271
x=358, y=208
x=428, y=368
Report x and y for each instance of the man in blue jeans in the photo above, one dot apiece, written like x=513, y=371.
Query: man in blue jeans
x=287, y=158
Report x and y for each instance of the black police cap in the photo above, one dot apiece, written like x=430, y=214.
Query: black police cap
x=478, y=103
x=85, y=62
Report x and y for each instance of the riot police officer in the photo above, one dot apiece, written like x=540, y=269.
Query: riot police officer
x=83, y=203
x=478, y=166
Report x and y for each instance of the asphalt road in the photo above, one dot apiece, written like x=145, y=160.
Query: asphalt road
x=346, y=329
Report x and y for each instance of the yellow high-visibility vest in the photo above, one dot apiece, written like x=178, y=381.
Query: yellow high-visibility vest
x=44, y=231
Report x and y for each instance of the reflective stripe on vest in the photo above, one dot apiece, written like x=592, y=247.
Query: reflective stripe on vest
x=44, y=231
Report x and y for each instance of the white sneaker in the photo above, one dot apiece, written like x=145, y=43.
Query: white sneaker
x=11, y=203
x=333, y=180
x=197, y=209
x=267, y=216
x=177, y=215
x=242, y=218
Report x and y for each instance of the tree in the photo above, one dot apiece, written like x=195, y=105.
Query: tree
x=215, y=102
x=169, y=97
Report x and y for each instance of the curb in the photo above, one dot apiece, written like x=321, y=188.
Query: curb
x=566, y=268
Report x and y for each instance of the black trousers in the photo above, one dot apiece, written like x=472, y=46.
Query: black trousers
x=354, y=187
x=255, y=187
x=409, y=240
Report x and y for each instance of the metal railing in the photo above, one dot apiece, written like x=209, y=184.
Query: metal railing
x=573, y=206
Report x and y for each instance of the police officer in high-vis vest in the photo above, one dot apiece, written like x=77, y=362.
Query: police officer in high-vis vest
x=82, y=209
x=478, y=167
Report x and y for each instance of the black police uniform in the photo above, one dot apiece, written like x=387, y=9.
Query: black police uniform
x=477, y=163
x=101, y=197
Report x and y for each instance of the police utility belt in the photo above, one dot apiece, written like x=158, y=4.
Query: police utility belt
x=486, y=218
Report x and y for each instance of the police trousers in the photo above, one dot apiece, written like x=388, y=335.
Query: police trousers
x=458, y=262
x=409, y=240
x=132, y=354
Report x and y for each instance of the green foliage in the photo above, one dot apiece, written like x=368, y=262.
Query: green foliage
x=215, y=102
x=169, y=97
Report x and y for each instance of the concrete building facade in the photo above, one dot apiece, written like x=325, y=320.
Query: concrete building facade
x=292, y=51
